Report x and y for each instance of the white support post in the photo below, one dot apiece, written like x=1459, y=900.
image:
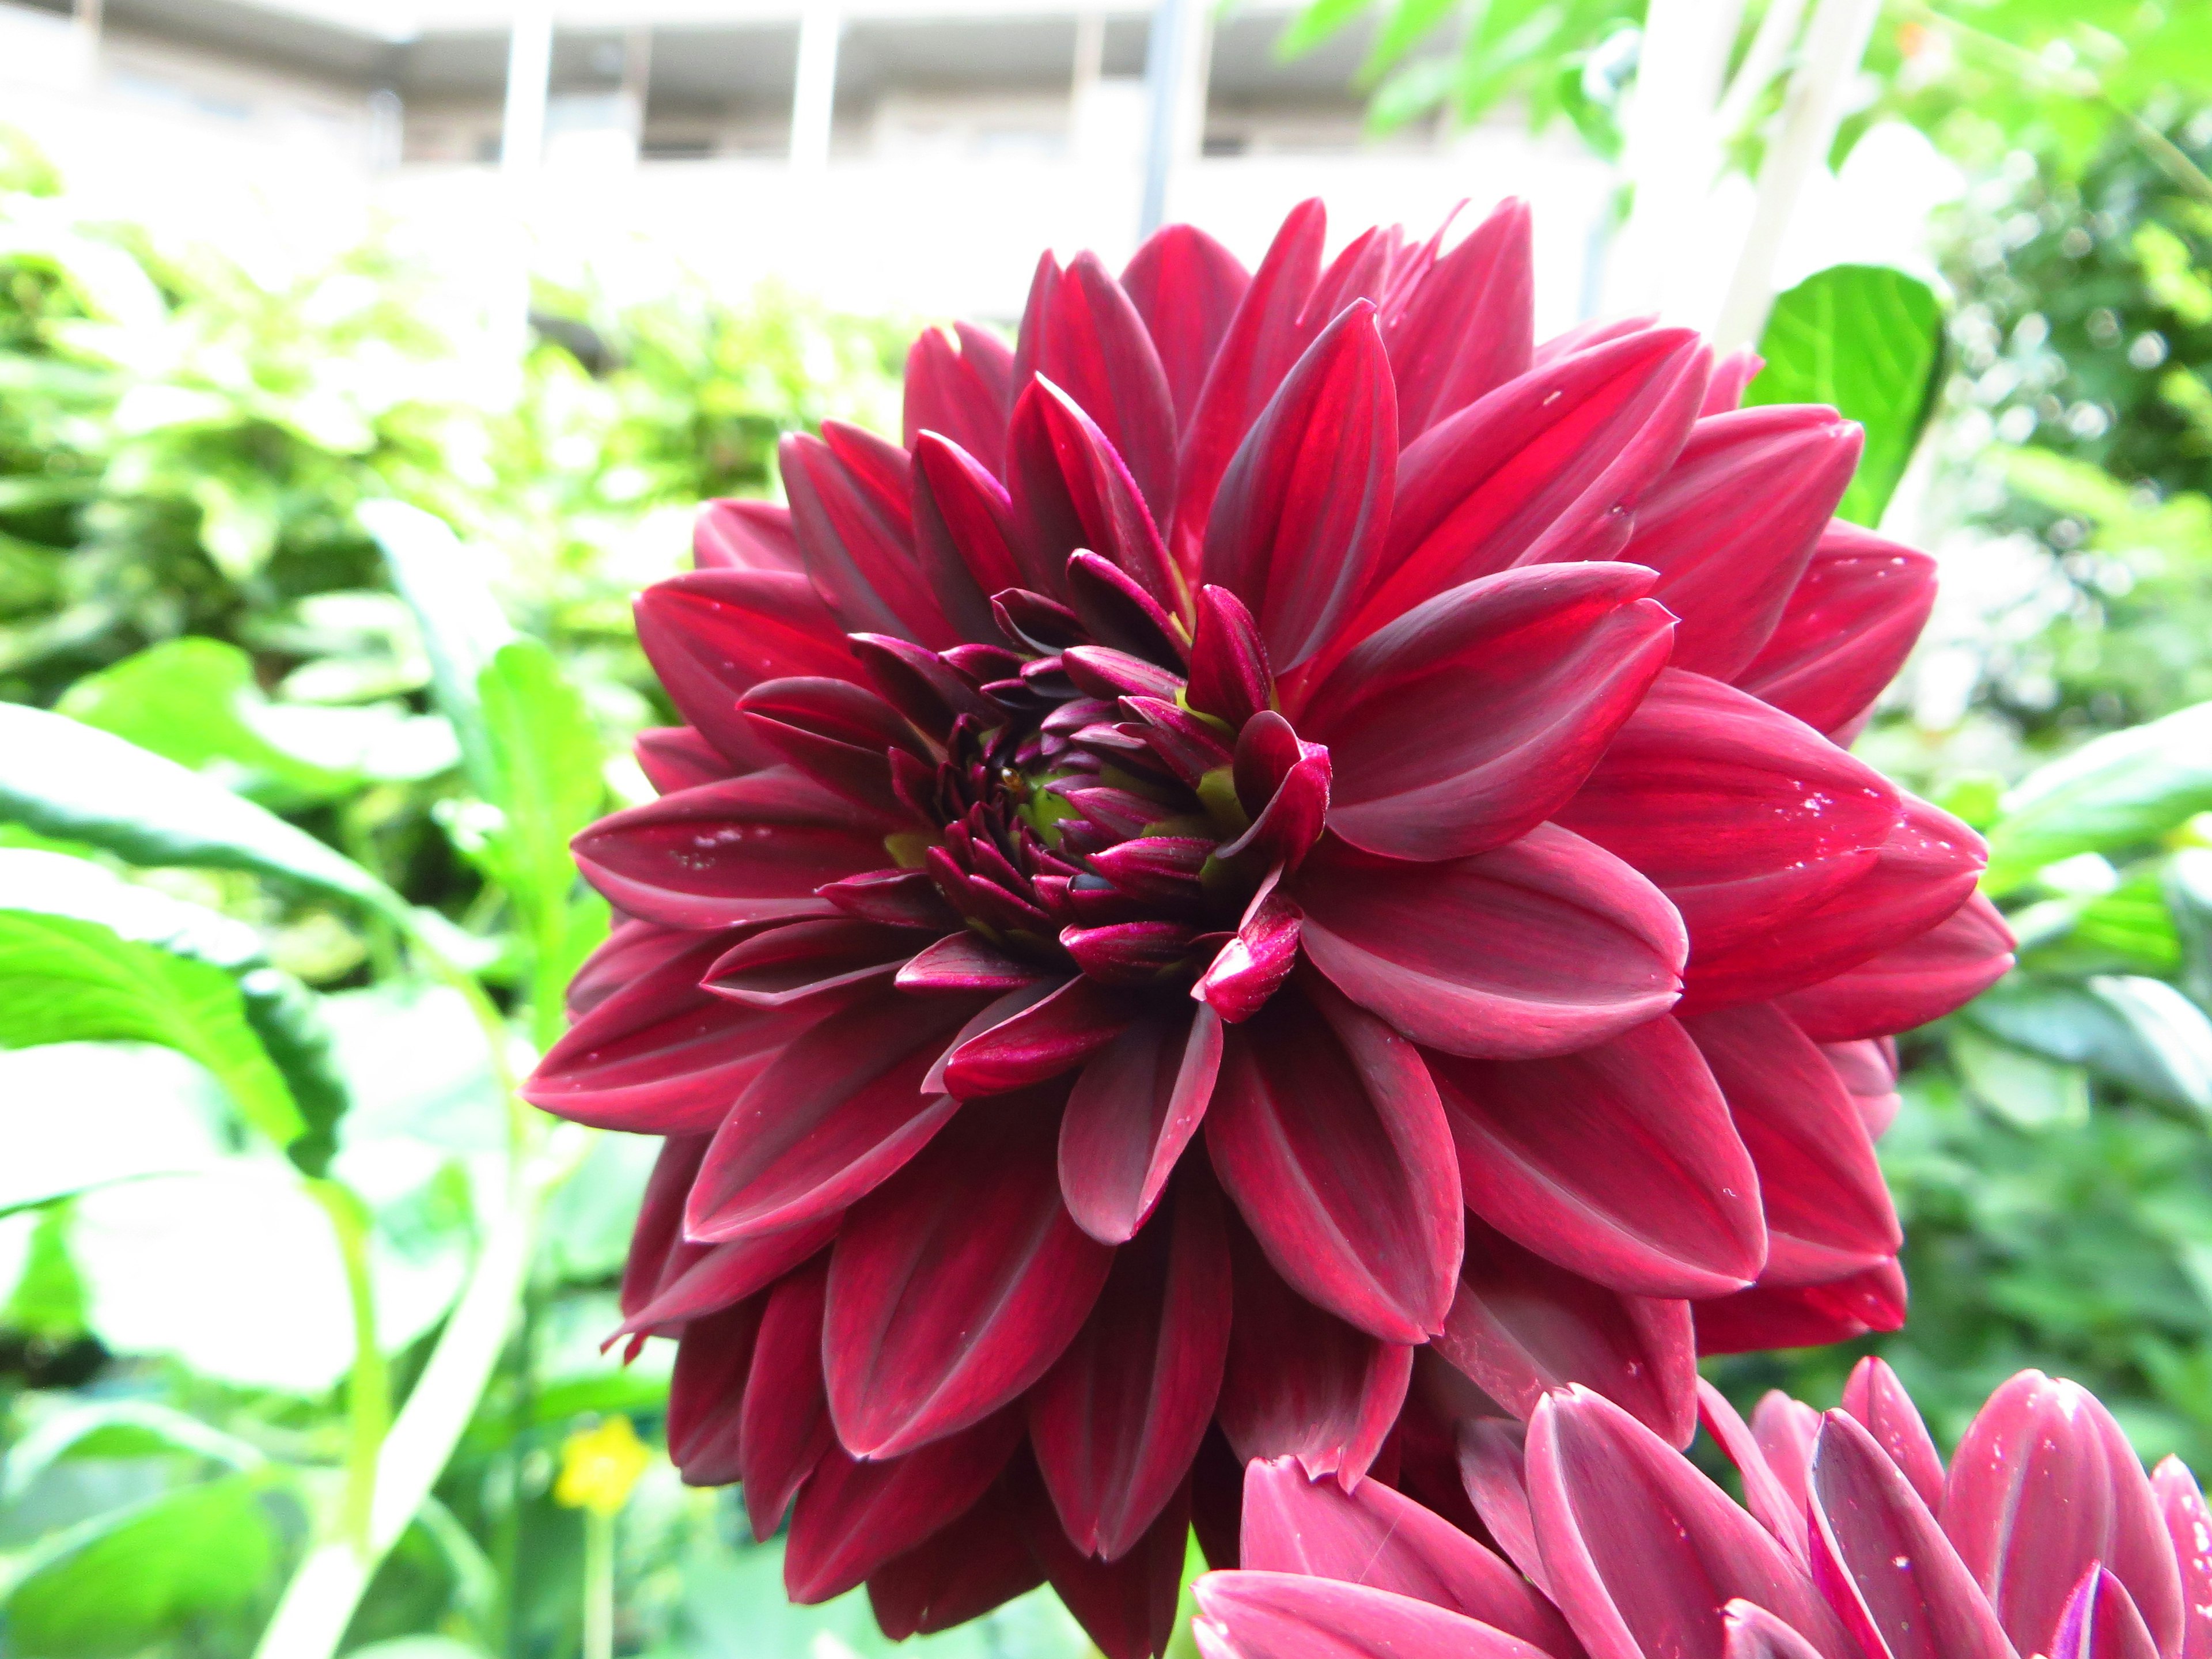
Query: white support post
x=814, y=85
x=529, y=72
x=1177, y=55
x=636, y=82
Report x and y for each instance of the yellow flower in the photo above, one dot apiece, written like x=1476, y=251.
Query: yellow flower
x=600, y=1466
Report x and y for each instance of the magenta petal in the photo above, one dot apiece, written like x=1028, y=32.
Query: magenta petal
x=1746, y=818
x=1803, y=1316
x=1786, y=1430
x=955, y=1284
x=1326, y=1131
x=1299, y=518
x=1519, y=1326
x=1130, y=1115
x=1230, y=675
x=1643, y=1550
x=963, y=531
x=1468, y=326
x=1125, y=1606
x=896, y=898
x=704, y=1279
x=1732, y=524
x=1117, y=1421
x=1185, y=286
x=2100, y=1621
x=835, y=1114
x=664, y=1056
x=1280, y=1615
x=1493, y=1469
x=734, y=535
x=837, y=733
x=1779, y=1508
x=848, y=507
x=1752, y=1632
x=752, y=849
x=1884, y=1562
x=960, y=387
x=1037, y=1040
x=1072, y=490
x=706, y=1391
x=1874, y=1396
x=964, y=961
x=1374, y=1536
x=783, y=1429
x=854, y=1516
x=960, y=1573
x=1620, y=1161
x=1828, y=1209
x=2043, y=1486
x=658, y=1232
x=1301, y=1383
x=1845, y=630
x=1731, y=375
x=1083, y=334
x=1868, y=1071
x=1576, y=946
x=782, y=965
x=1252, y=965
x=713, y=634
x=1475, y=716
x=1909, y=984
x=2189, y=1525
x=674, y=757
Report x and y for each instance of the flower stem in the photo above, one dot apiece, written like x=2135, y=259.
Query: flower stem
x=368, y=1386
x=598, y=1584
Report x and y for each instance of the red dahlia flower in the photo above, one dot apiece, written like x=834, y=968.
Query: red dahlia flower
x=2043, y=1537
x=1284, y=823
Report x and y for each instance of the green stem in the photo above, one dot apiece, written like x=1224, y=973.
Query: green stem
x=599, y=1585
x=369, y=1386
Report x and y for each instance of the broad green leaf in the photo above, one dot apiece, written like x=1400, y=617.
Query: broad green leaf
x=447, y=585
x=200, y=1553
x=545, y=767
x=1868, y=342
x=2024, y=1089
x=2188, y=893
x=2122, y=790
x=87, y=956
x=1317, y=23
x=65, y=779
x=2141, y=1033
x=119, y=1428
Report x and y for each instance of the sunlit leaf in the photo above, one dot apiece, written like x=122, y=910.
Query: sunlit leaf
x=2117, y=792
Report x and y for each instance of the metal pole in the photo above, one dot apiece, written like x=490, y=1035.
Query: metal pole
x=1174, y=106
x=529, y=70
x=814, y=84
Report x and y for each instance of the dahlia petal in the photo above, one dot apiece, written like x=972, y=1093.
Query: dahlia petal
x=1116, y=1422
x=783, y=1427
x=1231, y=676
x=1583, y=336
x=1125, y=1606
x=1519, y=1326
x=837, y=733
x=1923, y=872
x=703, y=1279
x=1072, y=488
x=1881, y=1558
x=631, y=948
x=994, y=1014
x=1909, y=984
x=1643, y=1550
x=1300, y=513
x=1493, y=1469
x=1300, y=1382
x=752, y=849
x=963, y=531
x=1618, y=1162
x=1786, y=1430
x=1289, y=804
x=1185, y=287
x=1327, y=1132
x=1084, y=335
x=1846, y=630
x=1732, y=375
x=1874, y=1396
x=1778, y=1507
x=782, y=965
x=857, y=539
x=1828, y=1209
x=663, y=1055
x=658, y=1229
x=2100, y=1621
x=1803, y=1316
x=1361, y=271
x=1265, y=337
x=1280, y=1615
x=1379, y=1538
x=1130, y=1114
x=1476, y=715
x=674, y=757
x=854, y=1516
x=1469, y=326
x=2043, y=1486
x=2189, y=1525
x=1732, y=524
x=964, y=961
x=732, y=535
x=1577, y=947
x=959, y=1572
x=1130, y=953
x=1252, y=966
x=1868, y=1071
x=1101, y=672
x=1750, y=1632
x=1526, y=470
x=829, y=1119
x=1119, y=612
x=706, y=1389
x=921, y=685
x=1038, y=1041
x=896, y=898
x=1156, y=869
x=713, y=634
x=1744, y=817
x=962, y=390
x=956, y=1283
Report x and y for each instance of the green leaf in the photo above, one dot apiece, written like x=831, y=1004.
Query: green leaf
x=448, y=586
x=1868, y=342
x=2140, y=1033
x=1317, y=23
x=112, y=1428
x=200, y=1553
x=2123, y=790
x=2025, y=1090
x=87, y=956
x=545, y=771
x=65, y=779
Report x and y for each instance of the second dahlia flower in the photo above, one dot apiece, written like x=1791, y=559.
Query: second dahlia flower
x=1285, y=825
x=2043, y=1537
